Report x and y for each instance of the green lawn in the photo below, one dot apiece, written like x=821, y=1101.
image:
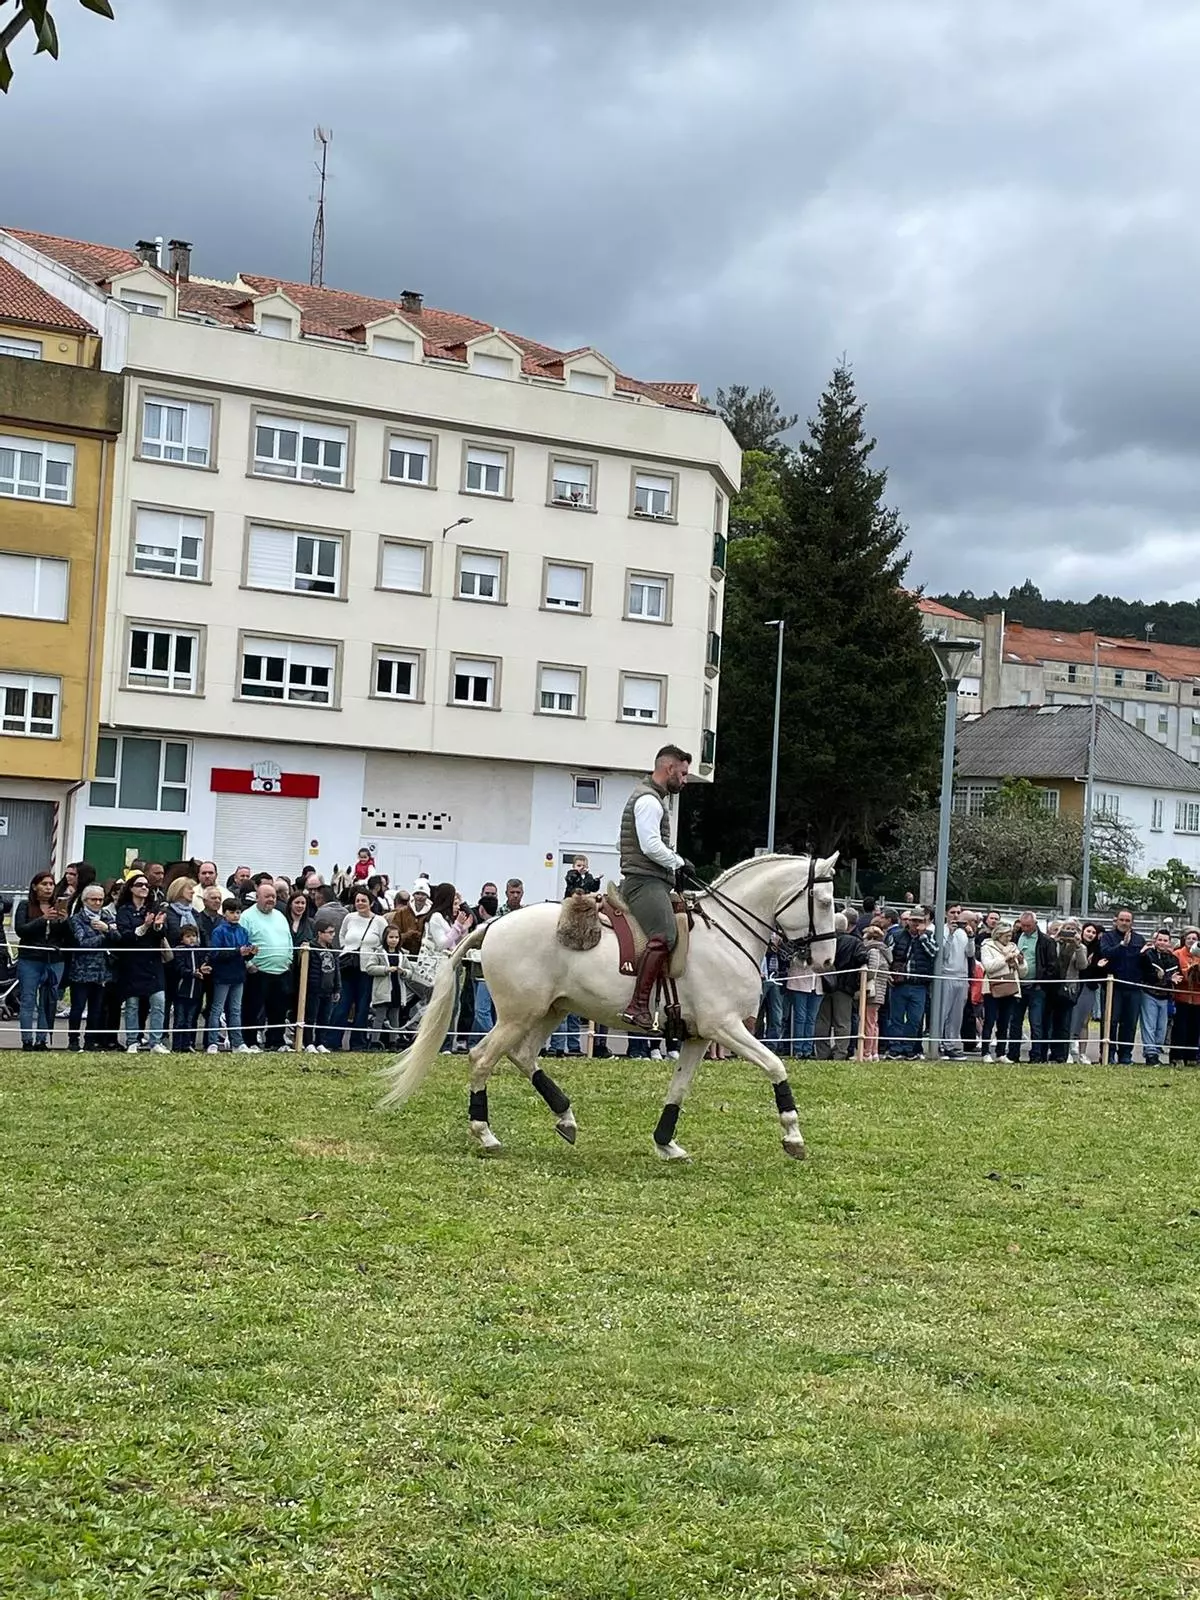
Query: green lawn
x=257, y=1340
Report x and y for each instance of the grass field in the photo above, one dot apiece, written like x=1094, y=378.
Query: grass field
x=257, y=1340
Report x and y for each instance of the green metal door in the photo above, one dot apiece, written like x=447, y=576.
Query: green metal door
x=110, y=850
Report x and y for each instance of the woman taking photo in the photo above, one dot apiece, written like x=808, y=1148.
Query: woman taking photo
x=41, y=926
x=140, y=930
x=1003, y=968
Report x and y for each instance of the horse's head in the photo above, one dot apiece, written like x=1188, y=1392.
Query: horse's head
x=807, y=916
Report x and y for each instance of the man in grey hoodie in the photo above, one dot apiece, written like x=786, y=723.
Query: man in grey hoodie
x=959, y=947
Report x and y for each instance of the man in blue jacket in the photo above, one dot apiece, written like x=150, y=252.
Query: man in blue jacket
x=1120, y=957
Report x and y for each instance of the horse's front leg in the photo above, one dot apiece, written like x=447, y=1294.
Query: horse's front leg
x=739, y=1039
x=690, y=1055
x=503, y=1037
x=526, y=1058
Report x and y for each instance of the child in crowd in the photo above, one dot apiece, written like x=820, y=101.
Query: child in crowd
x=364, y=867
x=191, y=969
x=878, y=967
x=231, y=951
x=389, y=997
x=324, y=990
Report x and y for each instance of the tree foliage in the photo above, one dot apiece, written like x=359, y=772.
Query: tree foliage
x=755, y=420
x=1014, y=849
x=757, y=508
x=1173, y=622
x=860, y=727
x=37, y=15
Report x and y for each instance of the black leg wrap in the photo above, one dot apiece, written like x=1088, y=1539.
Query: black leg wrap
x=477, y=1108
x=550, y=1092
x=667, y=1123
x=784, y=1099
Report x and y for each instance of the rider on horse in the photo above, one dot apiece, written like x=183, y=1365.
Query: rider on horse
x=648, y=872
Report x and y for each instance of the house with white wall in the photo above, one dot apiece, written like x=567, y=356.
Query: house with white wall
x=385, y=574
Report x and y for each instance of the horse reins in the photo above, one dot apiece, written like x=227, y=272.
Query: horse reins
x=789, y=949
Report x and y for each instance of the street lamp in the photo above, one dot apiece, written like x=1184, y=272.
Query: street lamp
x=779, y=623
x=954, y=658
x=1085, y=888
x=461, y=523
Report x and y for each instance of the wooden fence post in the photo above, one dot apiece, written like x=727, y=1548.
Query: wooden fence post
x=863, y=977
x=1106, y=1024
x=302, y=999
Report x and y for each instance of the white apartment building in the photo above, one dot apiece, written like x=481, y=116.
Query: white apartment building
x=388, y=576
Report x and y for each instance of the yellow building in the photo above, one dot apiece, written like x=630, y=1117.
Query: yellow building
x=59, y=420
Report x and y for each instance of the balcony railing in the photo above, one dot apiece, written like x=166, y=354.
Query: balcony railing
x=714, y=653
x=720, y=554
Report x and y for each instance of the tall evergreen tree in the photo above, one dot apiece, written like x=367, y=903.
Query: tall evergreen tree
x=754, y=420
x=860, y=730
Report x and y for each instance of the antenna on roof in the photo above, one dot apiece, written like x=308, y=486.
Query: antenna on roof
x=316, y=269
x=1149, y=630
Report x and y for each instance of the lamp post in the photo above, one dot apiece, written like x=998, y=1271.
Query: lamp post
x=1085, y=887
x=954, y=657
x=780, y=624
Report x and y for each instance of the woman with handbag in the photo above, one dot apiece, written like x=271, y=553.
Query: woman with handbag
x=361, y=933
x=1062, y=998
x=1003, y=968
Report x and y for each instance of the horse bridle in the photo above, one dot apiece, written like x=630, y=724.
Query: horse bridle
x=789, y=949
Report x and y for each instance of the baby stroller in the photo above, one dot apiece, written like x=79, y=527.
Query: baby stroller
x=9, y=1007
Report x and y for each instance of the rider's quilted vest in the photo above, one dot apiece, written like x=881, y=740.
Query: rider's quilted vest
x=632, y=857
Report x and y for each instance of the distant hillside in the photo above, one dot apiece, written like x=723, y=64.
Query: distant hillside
x=1176, y=622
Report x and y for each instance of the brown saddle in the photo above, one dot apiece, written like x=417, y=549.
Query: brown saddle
x=631, y=941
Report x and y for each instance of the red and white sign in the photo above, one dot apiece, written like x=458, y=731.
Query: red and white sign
x=265, y=777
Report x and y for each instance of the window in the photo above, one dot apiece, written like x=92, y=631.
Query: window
x=408, y=460
x=403, y=566
x=311, y=452
x=571, y=484
x=1107, y=806
x=566, y=587
x=970, y=799
x=718, y=512
x=587, y=382
x=177, y=430
x=163, y=659
x=1155, y=683
x=1187, y=816
x=641, y=698
x=480, y=576
x=646, y=597
x=29, y=705
x=473, y=682
x=587, y=794
x=275, y=327
x=296, y=671
x=30, y=349
x=284, y=558
x=652, y=496
x=486, y=471
x=141, y=774
x=36, y=469
x=969, y=688
x=143, y=302
x=1049, y=799
x=33, y=586
x=1156, y=816
x=560, y=691
x=168, y=544
x=383, y=344
x=1072, y=672
x=397, y=675
x=1164, y=722
x=1118, y=678
x=492, y=366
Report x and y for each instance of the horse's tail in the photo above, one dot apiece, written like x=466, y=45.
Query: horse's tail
x=408, y=1072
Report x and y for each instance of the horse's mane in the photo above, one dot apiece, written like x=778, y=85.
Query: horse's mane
x=754, y=861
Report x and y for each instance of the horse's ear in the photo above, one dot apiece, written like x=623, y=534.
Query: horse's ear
x=825, y=866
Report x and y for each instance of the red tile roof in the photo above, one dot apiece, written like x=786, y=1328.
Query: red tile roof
x=340, y=315
x=22, y=300
x=1032, y=646
x=935, y=608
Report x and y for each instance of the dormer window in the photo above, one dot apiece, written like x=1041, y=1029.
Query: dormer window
x=393, y=349
x=275, y=327
x=492, y=366
x=587, y=382
x=143, y=302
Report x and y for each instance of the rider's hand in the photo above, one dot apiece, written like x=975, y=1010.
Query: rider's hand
x=685, y=872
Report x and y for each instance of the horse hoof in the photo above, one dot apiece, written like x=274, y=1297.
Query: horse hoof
x=671, y=1152
x=484, y=1140
x=567, y=1128
x=794, y=1148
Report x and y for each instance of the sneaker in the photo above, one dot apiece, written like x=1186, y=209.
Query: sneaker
x=246, y=1050
x=656, y=1054
x=160, y=1049
x=213, y=1050
x=322, y=1049
x=310, y=1050
x=131, y=1049
x=989, y=1059
x=283, y=1050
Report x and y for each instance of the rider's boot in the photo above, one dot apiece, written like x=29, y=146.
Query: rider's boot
x=654, y=958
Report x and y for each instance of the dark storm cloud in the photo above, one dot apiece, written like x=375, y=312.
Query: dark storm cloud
x=987, y=207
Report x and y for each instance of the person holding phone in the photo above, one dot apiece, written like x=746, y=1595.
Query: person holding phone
x=42, y=930
x=140, y=966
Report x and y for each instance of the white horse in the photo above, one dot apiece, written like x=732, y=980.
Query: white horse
x=535, y=981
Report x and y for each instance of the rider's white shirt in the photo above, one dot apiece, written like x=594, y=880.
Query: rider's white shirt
x=647, y=819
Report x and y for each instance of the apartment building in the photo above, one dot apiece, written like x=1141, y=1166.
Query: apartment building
x=59, y=419
x=385, y=574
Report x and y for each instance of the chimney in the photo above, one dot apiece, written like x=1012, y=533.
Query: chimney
x=147, y=252
x=179, y=259
x=411, y=300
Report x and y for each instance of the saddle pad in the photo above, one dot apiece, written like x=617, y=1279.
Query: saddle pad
x=631, y=941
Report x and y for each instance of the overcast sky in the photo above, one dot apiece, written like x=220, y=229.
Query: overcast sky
x=989, y=207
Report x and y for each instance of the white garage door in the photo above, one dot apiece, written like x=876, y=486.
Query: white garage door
x=265, y=832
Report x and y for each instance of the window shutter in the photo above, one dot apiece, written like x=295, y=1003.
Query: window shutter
x=403, y=567
x=485, y=566
x=558, y=680
x=392, y=349
x=641, y=696
x=488, y=458
x=304, y=653
x=587, y=383
x=272, y=560
x=646, y=480
x=565, y=585
x=492, y=366
x=18, y=578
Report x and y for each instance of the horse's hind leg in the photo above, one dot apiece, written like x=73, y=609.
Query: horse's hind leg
x=690, y=1055
x=742, y=1042
x=526, y=1058
x=503, y=1037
